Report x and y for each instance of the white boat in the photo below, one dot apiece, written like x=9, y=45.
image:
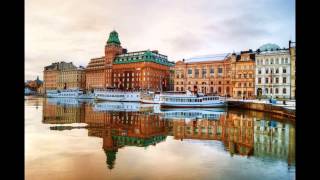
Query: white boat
x=117, y=106
x=191, y=100
x=116, y=95
x=66, y=93
x=151, y=98
x=87, y=96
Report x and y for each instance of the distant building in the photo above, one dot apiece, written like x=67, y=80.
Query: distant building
x=273, y=71
x=243, y=74
x=133, y=70
x=62, y=75
x=207, y=74
x=34, y=85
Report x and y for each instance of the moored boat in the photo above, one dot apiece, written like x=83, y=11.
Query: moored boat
x=65, y=93
x=117, y=95
x=190, y=100
x=150, y=98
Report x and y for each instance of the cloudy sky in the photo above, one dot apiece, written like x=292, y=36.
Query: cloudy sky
x=77, y=30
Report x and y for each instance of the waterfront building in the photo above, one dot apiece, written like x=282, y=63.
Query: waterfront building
x=62, y=75
x=206, y=74
x=272, y=72
x=292, y=49
x=171, y=78
x=128, y=70
x=71, y=78
x=243, y=74
x=94, y=73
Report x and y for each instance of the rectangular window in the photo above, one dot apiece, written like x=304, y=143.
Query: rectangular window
x=196, y=73
x=259, y=80
x=267, y=80
x=211, y=70
x=284, y=80
x=204, y=72
x=189, y=71
x=277, y=80
x=219, y=70
x=284, y=70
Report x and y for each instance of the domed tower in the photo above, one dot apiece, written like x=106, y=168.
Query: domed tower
x=111, y=50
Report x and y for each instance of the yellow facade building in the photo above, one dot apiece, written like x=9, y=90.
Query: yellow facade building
x=243, y=74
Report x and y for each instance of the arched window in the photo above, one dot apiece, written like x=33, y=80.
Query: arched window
x=177, y=88
x=219, y=89
x=211, y=89
x=228, y=89
x=181, y=88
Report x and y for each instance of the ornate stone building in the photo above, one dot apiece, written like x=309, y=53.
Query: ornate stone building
x=62, y=75
x=133, y=70
x=243, y=74
x=273, y=71
x=207, y=74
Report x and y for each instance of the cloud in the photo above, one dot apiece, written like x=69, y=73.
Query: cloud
x=77, y=30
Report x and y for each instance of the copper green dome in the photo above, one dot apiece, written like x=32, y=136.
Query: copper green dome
x=269, y=47
x=113, y=38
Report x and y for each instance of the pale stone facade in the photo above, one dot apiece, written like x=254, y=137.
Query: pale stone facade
x=62, y=75
x=273, y=72
x=73, y=78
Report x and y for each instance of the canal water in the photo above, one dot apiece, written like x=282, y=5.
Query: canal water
x=83, y=139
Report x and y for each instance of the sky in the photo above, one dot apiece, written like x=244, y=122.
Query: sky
x=77, y=30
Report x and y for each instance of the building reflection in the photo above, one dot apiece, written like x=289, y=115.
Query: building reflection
x=62, y=111
x=244, y=133
x=124, y=128
x=236, y=132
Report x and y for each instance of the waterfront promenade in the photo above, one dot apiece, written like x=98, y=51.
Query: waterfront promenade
x=288, y=109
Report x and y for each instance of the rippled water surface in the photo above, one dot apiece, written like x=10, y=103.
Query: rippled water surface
x=72, y=139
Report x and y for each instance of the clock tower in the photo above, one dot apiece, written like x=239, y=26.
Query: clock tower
x=111, y=50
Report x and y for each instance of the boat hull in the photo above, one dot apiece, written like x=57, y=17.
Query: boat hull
x=118, y=96
x=149, y=101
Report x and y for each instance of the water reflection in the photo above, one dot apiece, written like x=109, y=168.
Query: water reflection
x=243, y=133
